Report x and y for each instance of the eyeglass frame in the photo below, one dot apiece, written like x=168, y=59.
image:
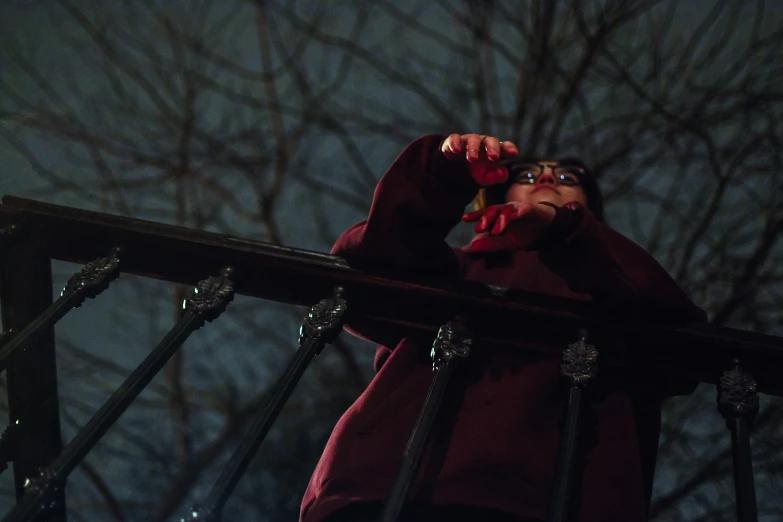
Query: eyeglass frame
x=577, y=171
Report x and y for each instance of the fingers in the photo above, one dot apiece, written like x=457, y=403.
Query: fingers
x=492, y=148
x=485, y=217
x=475, y=146
x=487, y=220
x=509, y=213
x=471, y=217
x=497, y=217
x=511, y=226
x=479, y=146
x=502, y=220
x=507, y=148
x=452, y=146
x=494, y=244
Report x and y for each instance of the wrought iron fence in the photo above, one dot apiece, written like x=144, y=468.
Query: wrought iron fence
x=459, y=315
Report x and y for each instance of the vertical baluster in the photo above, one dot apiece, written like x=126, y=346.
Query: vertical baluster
x=738, y=402
x=452, y=343
x=9, y=440
x=321, y=326
x=90, y=281
x=578, y=368
x=8, y=234
x=205, y=303
x=10, y=436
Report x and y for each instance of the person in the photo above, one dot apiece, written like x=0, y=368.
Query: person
x=539, y=227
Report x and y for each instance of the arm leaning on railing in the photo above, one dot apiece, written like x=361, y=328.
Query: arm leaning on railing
x=597, y=260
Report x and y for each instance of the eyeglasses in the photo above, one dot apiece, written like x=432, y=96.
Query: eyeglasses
x=529, y=172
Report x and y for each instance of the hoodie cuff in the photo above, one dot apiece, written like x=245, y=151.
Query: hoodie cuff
x=455, y=174
x=566, y=221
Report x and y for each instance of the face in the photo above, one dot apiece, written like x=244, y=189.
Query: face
x=545, y=182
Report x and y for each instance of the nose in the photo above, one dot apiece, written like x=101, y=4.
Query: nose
x=547, y=176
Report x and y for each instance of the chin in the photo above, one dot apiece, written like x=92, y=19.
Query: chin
x=547, y=196
x=525, y=195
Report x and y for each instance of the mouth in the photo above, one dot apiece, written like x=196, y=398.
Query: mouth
x=545, y=187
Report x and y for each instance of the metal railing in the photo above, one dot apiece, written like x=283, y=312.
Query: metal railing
x=459, y=314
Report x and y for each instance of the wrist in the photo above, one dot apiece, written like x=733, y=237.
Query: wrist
x=563, y=221
x=451, y=172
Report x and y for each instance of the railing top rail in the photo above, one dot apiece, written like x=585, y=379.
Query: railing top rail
x=302, y=277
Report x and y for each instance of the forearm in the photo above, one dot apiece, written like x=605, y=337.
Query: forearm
x=595, y=259
x=416, y=203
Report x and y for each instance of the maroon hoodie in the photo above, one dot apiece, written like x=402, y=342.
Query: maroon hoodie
x=496, y=442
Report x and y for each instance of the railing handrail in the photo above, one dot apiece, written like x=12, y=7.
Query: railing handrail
x=295, y=276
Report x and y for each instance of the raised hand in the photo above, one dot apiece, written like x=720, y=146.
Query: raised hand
x=512, y=226
x=482, y=153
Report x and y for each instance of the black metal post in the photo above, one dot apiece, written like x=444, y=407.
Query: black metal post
x=205, y=303
x=9, y=441
x=31, y=378
x=8, y=234
x=738, y=402
x=93, y=279
x=578, y=368
x=321, y=326
x=451, y=343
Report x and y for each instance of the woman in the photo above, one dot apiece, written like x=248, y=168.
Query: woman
x=538, y=228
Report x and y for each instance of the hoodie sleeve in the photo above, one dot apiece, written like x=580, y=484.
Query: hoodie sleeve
x=594, y=259
x=416, y=203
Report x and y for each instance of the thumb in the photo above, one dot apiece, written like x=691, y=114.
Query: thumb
x=471, y=217
x=451, y=146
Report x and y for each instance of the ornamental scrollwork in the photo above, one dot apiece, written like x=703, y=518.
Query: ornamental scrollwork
x=737, y=393
x=94, y=277
x=324, y=320
x=210, y=296
x=452, y=342
x=579, y=364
